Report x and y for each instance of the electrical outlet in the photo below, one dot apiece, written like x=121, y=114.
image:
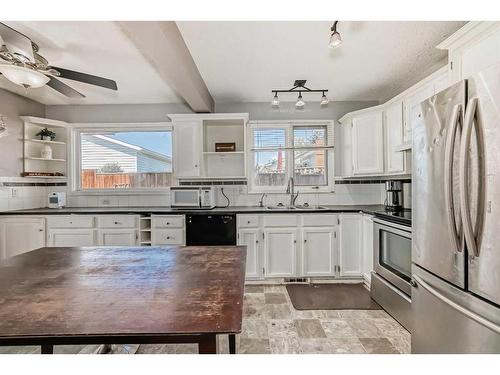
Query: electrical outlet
x=14, y=193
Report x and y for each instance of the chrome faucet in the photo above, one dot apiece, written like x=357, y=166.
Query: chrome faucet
x=261, y=202
x=290, y=189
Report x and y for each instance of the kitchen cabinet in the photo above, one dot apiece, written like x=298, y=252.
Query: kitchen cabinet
x=395, y=159
x=318, y=251
x=187, y=149
x=21, y=234
x=367, y=248
x=70, y=237
x=344, y=151
x=250, y=237
x=368, y=143
x=280, y=256
x=411, y=105
x=118, y=237
x=168, y=230
x=350, y=246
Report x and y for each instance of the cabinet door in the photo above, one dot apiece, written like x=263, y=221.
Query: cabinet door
x=351, y=241
x=412, y=104
x=20, y=235
x=368, y=144
x=250, y=238
x=394, y=137
x=280, y=252
x=481, y=55
x=118, y=237
x=345, y=148
x=318, y=250
x=367, y=247
x=187, y=149
x=71, y=237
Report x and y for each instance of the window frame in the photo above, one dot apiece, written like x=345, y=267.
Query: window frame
x=289, y=150
x=75, y=161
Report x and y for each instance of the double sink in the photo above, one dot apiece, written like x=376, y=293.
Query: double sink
x=296, y=207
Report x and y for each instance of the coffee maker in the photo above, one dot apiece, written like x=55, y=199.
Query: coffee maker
x=393, y=195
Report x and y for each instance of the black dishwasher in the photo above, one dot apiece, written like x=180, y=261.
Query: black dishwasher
x=210, y=229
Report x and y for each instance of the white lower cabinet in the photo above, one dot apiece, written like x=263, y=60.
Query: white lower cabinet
x=350, y=247
x=318, y=251
x=367, y=248
x=21, y=234
x=251, y=239
x=118, y=237
x=280, y=256
x=63, y=237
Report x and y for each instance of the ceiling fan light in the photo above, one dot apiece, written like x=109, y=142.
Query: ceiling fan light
x=23, y=76
x=335, y=40
x=300, y=102
x=276, y=101
x=324, y=100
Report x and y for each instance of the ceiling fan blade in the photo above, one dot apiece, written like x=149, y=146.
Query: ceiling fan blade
x=64, y=88
x=87, y=78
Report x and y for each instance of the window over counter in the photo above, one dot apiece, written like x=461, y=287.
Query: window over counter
x=122, y=157
x=283, y=149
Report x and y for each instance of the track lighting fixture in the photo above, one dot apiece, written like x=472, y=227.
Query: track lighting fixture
x=335, y=38
x=299, y=87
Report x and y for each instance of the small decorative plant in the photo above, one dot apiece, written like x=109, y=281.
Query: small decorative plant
x=46, y=135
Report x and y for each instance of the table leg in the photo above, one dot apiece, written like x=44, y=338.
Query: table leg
x=47, y=349
x=232, y=344
x=208, y=344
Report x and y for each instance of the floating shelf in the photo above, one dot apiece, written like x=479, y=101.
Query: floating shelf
x=48, y=142
x=224, y=153
x=48, y=177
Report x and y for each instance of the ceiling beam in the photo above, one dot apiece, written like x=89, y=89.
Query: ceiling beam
x=161, y=43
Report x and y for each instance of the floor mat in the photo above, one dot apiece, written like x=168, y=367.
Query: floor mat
x=331, y=297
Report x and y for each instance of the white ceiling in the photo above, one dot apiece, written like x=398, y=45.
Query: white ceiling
x=98, y=48
x=243, y=61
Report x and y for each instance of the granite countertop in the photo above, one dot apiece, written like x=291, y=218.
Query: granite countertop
x=370, y=209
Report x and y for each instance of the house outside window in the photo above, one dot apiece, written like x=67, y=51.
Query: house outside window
x=282, y=149
x=122, y=159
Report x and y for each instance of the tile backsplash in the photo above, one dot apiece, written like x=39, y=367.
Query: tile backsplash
x=33, y=196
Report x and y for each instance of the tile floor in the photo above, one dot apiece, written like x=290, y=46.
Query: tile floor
x=272, y=326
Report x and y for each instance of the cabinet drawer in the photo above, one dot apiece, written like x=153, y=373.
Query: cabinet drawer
x=248, y=221
x=280, y=220
x=168, y=237
x=321, y=220
x=70, y=221
x=117, y=221
x=174, y=221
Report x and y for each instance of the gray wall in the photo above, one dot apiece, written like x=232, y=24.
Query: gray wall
x=115, y=112
x=287, y=111
x=11, y=147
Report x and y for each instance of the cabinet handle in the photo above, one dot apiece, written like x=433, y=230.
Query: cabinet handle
x=305, y=240
x=294, y=241
x=168, y=237
x=248, y=222
x=117, y=222
x=168, y=223
x=257, y=241
x=196, y=165
x=40, y=230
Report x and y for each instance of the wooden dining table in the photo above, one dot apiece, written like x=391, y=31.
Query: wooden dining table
x=122, y=295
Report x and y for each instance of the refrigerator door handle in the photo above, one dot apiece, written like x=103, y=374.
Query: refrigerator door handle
x=469, y=314
x=471, y=234
x=455, y=118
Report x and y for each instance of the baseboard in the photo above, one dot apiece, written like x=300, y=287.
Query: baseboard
x=367, y=279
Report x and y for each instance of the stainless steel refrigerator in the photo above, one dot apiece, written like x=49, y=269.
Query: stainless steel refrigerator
x=456, y=218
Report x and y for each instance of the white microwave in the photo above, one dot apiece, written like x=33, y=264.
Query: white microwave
x=192, y=197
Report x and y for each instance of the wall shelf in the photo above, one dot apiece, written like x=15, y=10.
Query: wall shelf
x=42, y=159
x=47, y=142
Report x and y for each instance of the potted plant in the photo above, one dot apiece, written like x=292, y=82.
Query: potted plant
x=46, y=135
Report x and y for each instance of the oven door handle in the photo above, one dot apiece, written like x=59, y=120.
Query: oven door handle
x=390, y=225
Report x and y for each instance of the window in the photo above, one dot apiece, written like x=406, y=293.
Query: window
x=284, y=149
x=124, y=159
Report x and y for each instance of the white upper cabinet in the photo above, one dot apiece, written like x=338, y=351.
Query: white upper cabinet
x=395, y=159
x=411, y=104
x=20, y=234
x=472, y=49
x=187, y=149
x=368, y=143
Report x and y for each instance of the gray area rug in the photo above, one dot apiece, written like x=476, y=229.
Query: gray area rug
x=331, y=297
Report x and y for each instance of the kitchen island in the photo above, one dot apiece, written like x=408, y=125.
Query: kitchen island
x=122, y=295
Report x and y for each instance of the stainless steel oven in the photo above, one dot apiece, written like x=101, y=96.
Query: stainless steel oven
x=392, y=253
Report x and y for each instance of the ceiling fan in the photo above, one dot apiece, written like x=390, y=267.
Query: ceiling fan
x=21, y=64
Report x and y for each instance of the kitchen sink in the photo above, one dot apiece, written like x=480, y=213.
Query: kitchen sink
x=280, y=208
x=310, y=208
